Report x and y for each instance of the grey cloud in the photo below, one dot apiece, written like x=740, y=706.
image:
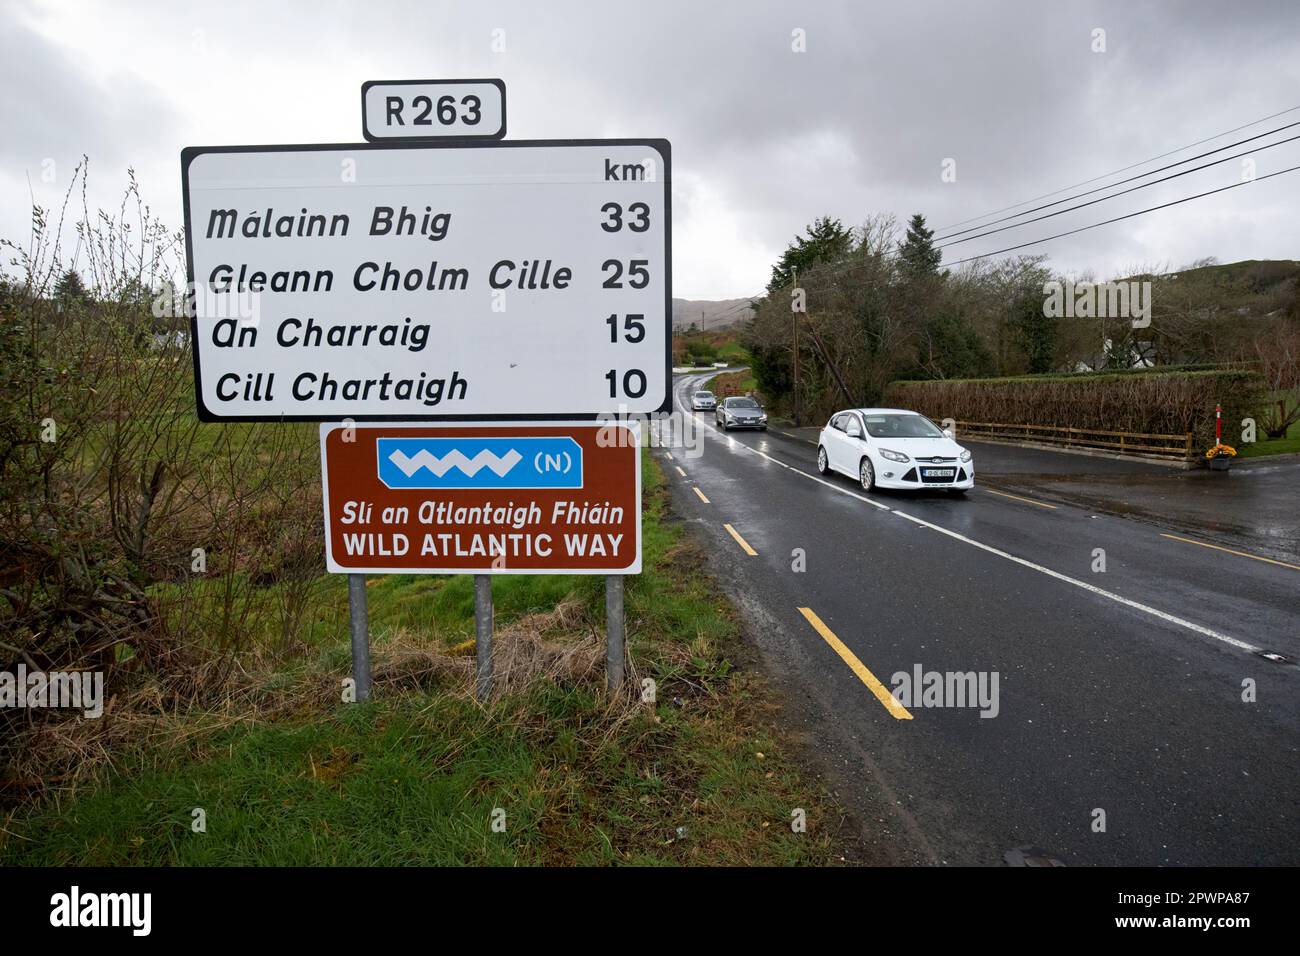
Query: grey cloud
x=858, y=124
x=53, y=109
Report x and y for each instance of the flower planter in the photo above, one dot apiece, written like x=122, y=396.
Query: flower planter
x=1220, y=462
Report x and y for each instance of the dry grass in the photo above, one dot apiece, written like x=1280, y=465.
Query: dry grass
x=562, y=645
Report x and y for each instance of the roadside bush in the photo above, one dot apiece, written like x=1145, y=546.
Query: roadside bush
x=1153, y=402
x=130, y=531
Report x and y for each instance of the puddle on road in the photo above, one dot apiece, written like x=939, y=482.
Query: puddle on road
x=1256, y=509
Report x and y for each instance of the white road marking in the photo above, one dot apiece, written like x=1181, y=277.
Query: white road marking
x=1101, y=592
x=1146, y=608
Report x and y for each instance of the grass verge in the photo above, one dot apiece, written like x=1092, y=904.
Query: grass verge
x=420, y=775
x=1289, y=445
x=732, y=383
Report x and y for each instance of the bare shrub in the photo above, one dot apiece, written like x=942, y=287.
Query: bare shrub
x=110, y=487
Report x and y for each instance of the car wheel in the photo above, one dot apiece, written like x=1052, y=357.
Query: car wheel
x=823, y=464
x=866, y=475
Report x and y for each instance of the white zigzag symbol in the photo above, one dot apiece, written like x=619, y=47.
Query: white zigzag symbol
x=455, y=459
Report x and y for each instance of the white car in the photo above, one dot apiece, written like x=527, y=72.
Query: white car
x=703, y=402
x=893, y=448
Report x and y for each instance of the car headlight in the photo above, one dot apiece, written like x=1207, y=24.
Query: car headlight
x=897, y=456
x=965, y=454
x=762, y=418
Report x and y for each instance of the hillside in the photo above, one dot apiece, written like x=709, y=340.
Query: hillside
x=710, y=314
x=1255, y=275
x=1252, y=286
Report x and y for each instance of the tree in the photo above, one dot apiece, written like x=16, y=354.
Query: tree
x=771, y=367
x=70, y=289
x=916, y=253
x=826, y=240
x=1036, y=332
x=1277, y=353
x=949, y=347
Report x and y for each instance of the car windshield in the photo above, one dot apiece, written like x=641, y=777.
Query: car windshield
x=742, y=403
x=901, y=426
x=703, y=394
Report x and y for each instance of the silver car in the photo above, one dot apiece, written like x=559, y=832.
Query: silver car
x=703, y=402
x=740, y=412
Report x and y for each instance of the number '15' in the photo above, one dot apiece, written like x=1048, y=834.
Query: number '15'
x=633, y=327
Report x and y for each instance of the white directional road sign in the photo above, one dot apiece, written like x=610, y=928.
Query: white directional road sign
x=456, y=281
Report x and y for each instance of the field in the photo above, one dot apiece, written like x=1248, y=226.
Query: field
x=704, y=348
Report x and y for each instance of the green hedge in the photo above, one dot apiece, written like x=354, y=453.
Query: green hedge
x=1151, y=401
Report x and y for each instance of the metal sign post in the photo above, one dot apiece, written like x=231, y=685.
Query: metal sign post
x=614, y=653
x=483, y=635
x=360, y=624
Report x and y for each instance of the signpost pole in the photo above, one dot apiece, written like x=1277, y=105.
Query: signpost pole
x=613, y=631
x=357, y=612
x=483, y=634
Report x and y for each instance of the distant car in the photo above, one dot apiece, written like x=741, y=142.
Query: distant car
x=893, y=448
x=740, y=412
x=703, y=402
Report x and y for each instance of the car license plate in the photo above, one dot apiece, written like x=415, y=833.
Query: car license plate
x=939, y=472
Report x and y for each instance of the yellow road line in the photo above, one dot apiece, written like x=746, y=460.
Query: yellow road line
x=1242, y=554
x=882, y=694
x=696, y=489
x=1028, y=501
x=679, y=470
x=741, y=541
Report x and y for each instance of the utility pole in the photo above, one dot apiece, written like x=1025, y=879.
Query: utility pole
x=794, y=336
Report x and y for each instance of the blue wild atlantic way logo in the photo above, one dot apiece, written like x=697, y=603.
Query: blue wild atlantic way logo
x=536, y=462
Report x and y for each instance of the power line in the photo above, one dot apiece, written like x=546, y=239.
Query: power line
x=1152, y=172
x=1107, y=222
x=1122, y=169
x=837, y=270
x=883, y=257
x=1122, y=192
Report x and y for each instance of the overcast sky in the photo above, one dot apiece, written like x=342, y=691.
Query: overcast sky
x=764, y=138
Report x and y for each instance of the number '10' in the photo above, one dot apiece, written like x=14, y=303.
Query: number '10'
x=634, y=383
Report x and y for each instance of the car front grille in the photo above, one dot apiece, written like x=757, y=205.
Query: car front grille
x=912, y=476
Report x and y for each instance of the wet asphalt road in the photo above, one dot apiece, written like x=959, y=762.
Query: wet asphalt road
x=1254, y=506
x=1119, y=691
